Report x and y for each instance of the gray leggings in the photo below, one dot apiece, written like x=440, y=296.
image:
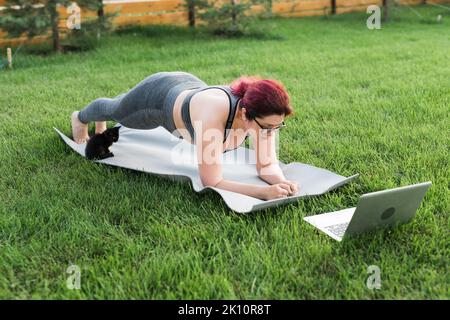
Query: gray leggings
x=147, y=105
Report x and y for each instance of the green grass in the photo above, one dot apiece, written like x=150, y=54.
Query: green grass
x=374, y=102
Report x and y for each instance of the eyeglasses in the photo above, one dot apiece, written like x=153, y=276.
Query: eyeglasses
x=266, y=129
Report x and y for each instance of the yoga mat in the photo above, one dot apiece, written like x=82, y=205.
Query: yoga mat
x=157, y=151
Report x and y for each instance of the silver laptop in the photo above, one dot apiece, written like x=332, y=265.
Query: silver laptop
x=386, y=208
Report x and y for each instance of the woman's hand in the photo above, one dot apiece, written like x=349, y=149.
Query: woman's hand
x=279, y=190
x=293, y=186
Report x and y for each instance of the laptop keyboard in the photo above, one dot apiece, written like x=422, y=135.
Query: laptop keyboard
x=338, y=229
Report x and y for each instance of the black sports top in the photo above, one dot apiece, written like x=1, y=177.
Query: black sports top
x=187, y=117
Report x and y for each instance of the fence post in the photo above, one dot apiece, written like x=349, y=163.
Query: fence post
x=333, y=6
x=385, y=10
x=100, y=17
x=191, y=12
x=233, y=12
x=9, y=57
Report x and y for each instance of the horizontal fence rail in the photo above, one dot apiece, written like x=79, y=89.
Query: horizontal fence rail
x=172, y=12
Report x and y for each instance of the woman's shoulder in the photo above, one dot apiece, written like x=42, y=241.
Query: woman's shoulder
x=211, y=105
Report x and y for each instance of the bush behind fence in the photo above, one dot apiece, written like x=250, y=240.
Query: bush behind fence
x=173, y=12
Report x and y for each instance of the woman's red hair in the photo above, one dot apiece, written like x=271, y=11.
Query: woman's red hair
x=261, y=97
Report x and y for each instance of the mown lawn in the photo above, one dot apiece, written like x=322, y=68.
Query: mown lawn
x=374, y=102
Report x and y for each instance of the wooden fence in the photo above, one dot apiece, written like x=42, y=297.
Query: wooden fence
x=172, y=12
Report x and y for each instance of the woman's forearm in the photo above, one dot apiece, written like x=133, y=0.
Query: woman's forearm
x=251, y=190
x=271, y=174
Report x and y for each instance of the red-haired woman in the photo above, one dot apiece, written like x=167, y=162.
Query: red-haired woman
x=214, y=118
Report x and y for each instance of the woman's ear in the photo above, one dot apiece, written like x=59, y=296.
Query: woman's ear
x=243, y=114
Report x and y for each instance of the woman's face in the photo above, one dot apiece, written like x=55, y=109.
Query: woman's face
x=264, y=124
x=259, y=124
x=269, y=122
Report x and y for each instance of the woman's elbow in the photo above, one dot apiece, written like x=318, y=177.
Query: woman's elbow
x=209, y=181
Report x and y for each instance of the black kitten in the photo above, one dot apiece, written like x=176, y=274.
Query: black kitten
x=98, y=145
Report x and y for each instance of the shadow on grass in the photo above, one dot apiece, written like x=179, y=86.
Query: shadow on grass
x=183, y=33
x=45, y=49
x=404, y=13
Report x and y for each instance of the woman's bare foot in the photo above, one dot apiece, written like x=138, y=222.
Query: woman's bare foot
x=79, y=129
x=100, y=126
